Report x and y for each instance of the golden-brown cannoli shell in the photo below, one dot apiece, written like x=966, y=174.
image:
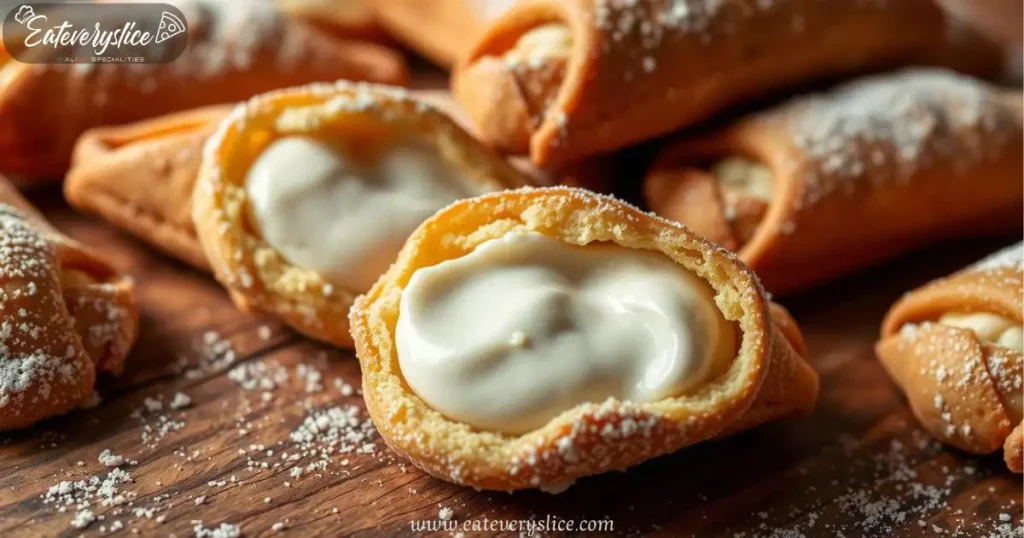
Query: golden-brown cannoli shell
x=65, y=315
x=259, y=278
x=638, y=70
x=140, y=176
x=348, y=19
x=958, y=386
x=440, y=30
x=767, y=380
x=856, y=195
x=45, y=107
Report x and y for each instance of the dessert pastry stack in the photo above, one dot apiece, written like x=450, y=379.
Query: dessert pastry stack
x=235, y=50
x=517, y=334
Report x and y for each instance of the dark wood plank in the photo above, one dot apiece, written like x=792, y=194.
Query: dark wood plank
x=859, y=466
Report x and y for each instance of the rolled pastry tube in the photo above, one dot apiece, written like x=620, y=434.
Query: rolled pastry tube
x=561, y=80
x=347, y=19
x=595, y=174
x=140, y=176
x=304, y=196
x=236, y=50
x=955, y=345
x=826, y=184
x=441, y=30
x=66, y=315
x=526, y=338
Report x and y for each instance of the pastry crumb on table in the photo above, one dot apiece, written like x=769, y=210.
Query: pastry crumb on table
x=225, y=424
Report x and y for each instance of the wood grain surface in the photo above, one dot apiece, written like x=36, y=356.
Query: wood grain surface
x=859, y=466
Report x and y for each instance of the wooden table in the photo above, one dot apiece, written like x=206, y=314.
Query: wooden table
x=859, y=466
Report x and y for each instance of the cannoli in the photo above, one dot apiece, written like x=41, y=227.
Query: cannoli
x=140, y=176
x=594, y=174
x=527, y=338
x=830, y=183
x=305, y=195
x=66, y=315
x=351, y=19
x=441, y=30
x=236, y=50
x=564, y=79
x=955, y=348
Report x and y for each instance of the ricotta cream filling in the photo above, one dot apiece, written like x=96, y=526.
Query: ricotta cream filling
x=990, y=328
x=527, y=326
x=343, y=217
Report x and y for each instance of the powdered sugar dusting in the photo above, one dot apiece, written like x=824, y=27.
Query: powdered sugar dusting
x=1011, y=257
x=27, y=366
x=885, y=128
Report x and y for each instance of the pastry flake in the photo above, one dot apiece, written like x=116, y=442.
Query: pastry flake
x=65, y=316
x=565, y=79
x=305, y=195
x=236, y=50
x=955, y=347
x=765, y=380
x=829, y=183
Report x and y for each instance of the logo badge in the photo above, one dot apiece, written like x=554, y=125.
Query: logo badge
x=52, y=33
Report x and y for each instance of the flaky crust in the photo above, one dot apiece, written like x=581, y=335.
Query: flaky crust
x=767, y=380
x=236, y=50
x=65, y=315
x=641, y=69
x=858, y=174
x=961, y=389
x=441, y=30
x=259, y=278
x=141, y=176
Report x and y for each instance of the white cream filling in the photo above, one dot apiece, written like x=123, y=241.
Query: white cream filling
x=990, y=328
x=527, y=326
x=344, y=218
x=744, y=176
x=545, y=42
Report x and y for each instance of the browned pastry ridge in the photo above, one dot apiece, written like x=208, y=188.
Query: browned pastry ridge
x=441, y=30
x=236, y=50
x=140, y=176
x=363, y=117
x=829, y=183
x=564, y=79
x=349, y=19
x=964, y=386
x=65, y=316
x=767, y=380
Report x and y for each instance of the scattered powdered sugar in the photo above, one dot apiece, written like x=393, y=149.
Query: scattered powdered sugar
x=181, y=401
x=902, y=491
x=109, y=459
x=84, y=494
x=259, y=375
x=83, y=518
x=225, y=530
x=215, y=355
